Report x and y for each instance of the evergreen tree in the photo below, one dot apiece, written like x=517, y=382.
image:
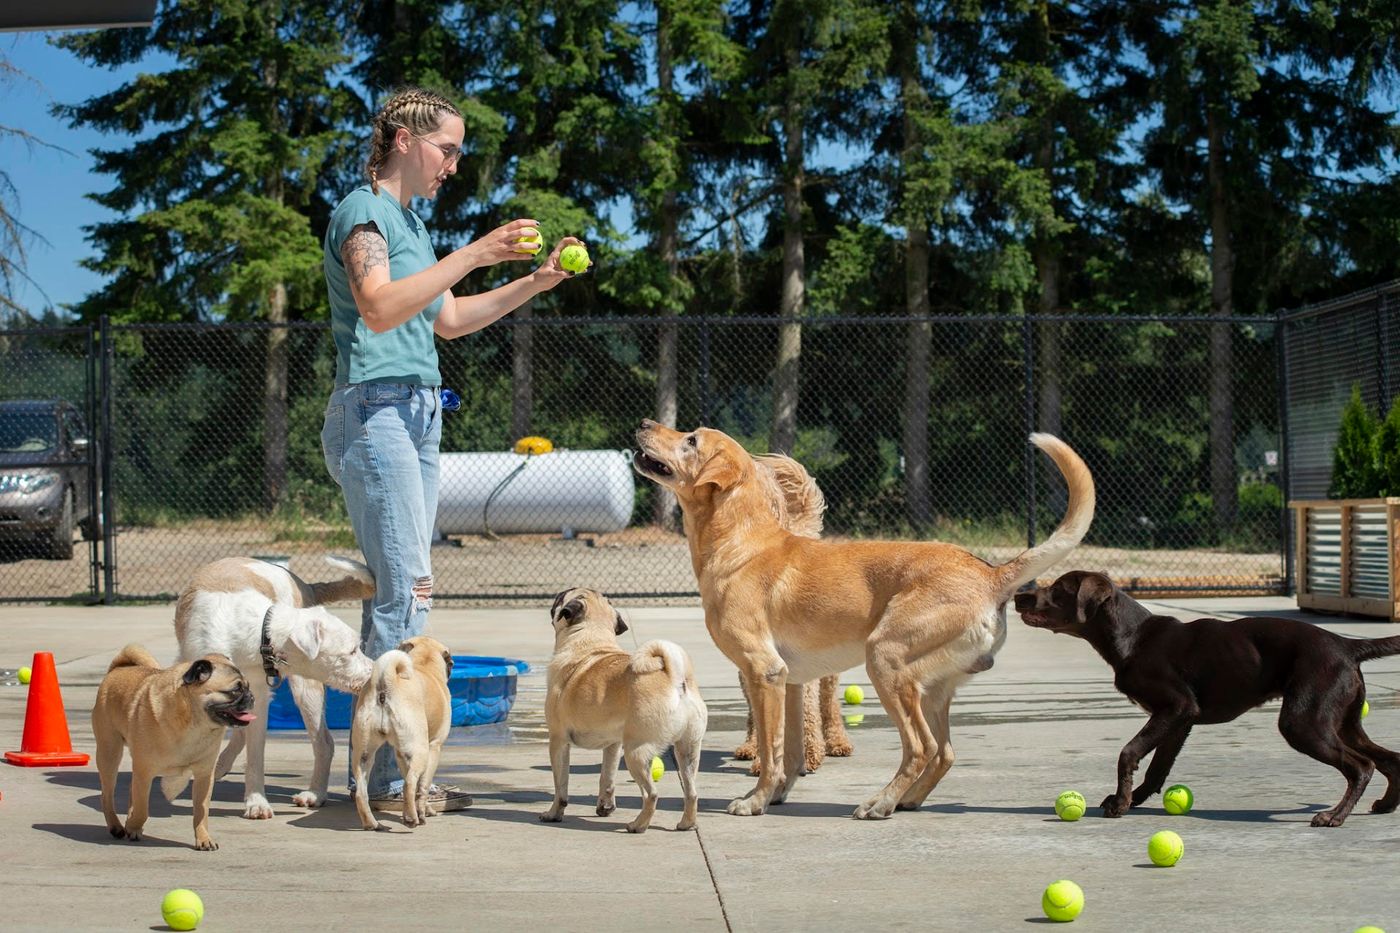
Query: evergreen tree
x=218, y=191
x=1354, y=472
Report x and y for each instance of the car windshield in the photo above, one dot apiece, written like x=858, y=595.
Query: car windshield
x=23, y=432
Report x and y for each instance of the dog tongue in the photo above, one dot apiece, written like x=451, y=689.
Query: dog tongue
x=244, y=716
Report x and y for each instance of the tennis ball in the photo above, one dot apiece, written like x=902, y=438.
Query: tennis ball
x=658, y=768
x=1177, y=799
x=1062, y=901
x=530, y=243
x=854, y=695
x=1165, y=848
x=1368, y=930
x=1069, y=806
x=182, y=909
x=574, y=258
x=1365, y=707
x=25, y=673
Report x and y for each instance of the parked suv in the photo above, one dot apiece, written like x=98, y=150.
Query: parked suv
x=44, y=451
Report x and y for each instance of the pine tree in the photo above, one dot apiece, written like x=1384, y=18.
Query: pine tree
x=218, y=193
x=1354, y=473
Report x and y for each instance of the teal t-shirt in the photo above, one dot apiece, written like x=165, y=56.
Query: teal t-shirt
x=406, y=353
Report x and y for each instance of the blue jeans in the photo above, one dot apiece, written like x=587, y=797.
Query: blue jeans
x=381, y=442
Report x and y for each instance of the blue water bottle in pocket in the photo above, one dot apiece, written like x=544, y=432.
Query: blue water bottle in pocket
x=451, y=401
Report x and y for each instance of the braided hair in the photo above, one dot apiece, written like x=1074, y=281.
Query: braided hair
x=418, y=110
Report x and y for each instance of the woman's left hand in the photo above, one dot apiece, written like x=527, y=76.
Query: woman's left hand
x=550, y=273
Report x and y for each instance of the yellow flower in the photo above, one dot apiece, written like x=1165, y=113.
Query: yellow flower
x=533, y=445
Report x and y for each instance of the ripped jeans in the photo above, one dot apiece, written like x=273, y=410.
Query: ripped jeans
x=380, y=442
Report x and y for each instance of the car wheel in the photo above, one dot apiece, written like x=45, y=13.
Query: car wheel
x=91, y=527
x=61, y=543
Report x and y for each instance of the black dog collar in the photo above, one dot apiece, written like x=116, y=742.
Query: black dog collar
x=269, y=653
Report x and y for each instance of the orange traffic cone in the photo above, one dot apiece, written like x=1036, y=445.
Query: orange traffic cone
x=46, y=741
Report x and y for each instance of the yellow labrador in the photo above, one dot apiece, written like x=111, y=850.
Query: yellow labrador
x=788, y=609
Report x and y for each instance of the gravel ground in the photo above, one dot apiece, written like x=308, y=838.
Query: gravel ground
x=638, y=565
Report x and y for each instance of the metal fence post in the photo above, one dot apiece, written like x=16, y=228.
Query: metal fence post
x=94, y=451
x=1027, y=364
x=109, y=493
x=1286, y=448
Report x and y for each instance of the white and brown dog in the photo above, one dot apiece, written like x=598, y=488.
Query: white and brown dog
x=406, y=703
x=631, y=705
x=271, y=624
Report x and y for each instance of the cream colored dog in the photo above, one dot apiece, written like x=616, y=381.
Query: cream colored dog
x=786, y=609
x=407, y=704
x=172, y=719
x=632, y=706
x=225, y=609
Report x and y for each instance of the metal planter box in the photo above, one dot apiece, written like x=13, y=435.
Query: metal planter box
x=1348, y=555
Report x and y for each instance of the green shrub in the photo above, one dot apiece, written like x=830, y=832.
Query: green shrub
x=1388, y=452
x=1354, y=473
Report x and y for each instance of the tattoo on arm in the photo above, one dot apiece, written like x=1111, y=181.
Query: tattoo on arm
x=363, y=250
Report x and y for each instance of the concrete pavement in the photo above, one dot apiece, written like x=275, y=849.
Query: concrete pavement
x=1046, y=718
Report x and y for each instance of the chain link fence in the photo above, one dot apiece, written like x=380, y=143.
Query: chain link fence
x=211, y=439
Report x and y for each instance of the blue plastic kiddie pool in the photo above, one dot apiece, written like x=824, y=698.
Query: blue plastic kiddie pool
x=482, y=689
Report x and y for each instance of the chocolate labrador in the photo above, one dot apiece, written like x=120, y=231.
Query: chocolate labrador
x=1207, y=671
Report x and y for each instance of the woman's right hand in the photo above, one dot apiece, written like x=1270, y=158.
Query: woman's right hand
x=502, y=244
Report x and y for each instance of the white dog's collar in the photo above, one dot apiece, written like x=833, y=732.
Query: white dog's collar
x=270, y=658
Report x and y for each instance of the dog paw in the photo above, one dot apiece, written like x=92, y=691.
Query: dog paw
x=746, y=752
x=637, y=827
x=117, y=832
x=1328, y=818
x=685, y=825
x=206, y=845
x=373, y=825
x=812, y=761
x=605, y=809
x=308, y=799
x=1114, y=806
x=1384, y=806
x=908, y=805
x=745, y=806
x=552, y=816
x=841, y=749
x=256, y=807
x=873, y=810
x=132, y=835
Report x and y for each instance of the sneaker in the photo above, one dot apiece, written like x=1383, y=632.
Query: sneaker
x=441, y=798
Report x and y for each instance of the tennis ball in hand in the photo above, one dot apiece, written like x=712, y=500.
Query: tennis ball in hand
x=854, y=695
x=1165, y=848
x=25, y=673
x=658, y=768
x=529, y=241
x=182, y=909
x=574, y=258
x=1365, y=705
x=1069, y=806
x=1062, y=901
x=1177, y=799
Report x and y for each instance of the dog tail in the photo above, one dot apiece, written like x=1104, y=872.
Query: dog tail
x=798, y=500
x=358, y=583
x=663, y=656
x=133, y=655
x=392, y=667
x=1364, y=649
x=1032, y=562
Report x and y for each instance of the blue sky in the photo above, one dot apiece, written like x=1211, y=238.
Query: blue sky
x=52, y=185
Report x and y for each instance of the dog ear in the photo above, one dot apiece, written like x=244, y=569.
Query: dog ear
x=572, y=611
x=307, y=634
x=199, y=672
x=719, y=471
x=621, y=625
x=1094, y=591
x=447, y=658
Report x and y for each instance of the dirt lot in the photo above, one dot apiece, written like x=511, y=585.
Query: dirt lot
x=637, y=565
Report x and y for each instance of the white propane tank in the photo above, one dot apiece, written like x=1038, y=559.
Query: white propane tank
x=564, y=491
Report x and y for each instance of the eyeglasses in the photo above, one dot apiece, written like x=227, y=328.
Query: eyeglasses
x=450, y=153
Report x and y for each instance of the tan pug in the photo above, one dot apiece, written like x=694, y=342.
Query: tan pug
x=407, y=704
x=173, y=720
x=631, y=705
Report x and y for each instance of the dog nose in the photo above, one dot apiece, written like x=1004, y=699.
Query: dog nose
x=648, y=424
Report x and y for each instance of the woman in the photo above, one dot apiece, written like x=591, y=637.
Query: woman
x=389, y=295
